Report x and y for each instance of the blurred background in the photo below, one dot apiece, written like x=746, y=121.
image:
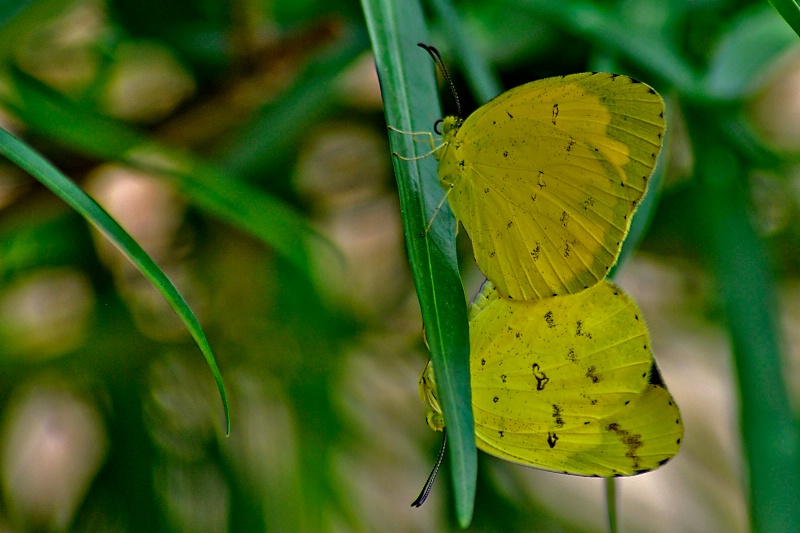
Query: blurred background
x=109, y=417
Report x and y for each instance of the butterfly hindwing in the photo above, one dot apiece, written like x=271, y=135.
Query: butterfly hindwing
x=567, y=384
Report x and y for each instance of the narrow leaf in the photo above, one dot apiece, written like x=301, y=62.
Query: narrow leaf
x=33, y=163
x=411, y=104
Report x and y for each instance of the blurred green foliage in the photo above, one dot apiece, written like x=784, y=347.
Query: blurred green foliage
x=243, y=145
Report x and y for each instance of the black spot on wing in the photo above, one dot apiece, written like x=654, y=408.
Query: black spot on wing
x=557, y=416
x=655, y=376
x=541, y=378
x=631, y=441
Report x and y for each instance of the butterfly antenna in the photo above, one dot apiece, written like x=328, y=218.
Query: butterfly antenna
x=426, y=489
x=437, y=59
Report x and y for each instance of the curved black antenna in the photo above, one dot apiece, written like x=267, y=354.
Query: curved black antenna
x=437, y=58
x=426, y=489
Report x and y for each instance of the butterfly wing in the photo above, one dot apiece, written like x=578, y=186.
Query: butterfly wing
x=569, y=384
x=545, y=179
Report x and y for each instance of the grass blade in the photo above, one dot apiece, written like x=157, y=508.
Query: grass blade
x=264, y=216
x=790, y=11
x=483, y=81
x=411, y=104
x=33, y=163
x=769, y=427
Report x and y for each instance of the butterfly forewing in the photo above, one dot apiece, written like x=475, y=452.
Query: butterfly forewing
x=545, y=179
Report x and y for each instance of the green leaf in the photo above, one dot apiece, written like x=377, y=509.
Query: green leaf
x=411, y=104
x=33, y=163
x=223, y=195
x=483, y=82
x=790, y=11
x=748, y=47
x=271, y=134
x=768, y=423
x=604, y=29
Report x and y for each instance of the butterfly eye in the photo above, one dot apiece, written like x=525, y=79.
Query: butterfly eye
x=436, y=126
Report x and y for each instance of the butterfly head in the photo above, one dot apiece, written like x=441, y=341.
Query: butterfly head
x=429, y=395
x=448, y=126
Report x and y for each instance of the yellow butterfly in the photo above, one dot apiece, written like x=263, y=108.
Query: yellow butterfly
x=546, y=177
x=566, y=384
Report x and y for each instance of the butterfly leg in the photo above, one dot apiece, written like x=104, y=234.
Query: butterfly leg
x=427, y=137
x=436, y=212
x=426, y=134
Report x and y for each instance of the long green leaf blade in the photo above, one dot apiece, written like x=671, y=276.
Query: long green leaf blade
x=768, y=423
x=790, y=11
x=223, y=195
x=483, y=81
x=411, y=104
x=33, y=163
